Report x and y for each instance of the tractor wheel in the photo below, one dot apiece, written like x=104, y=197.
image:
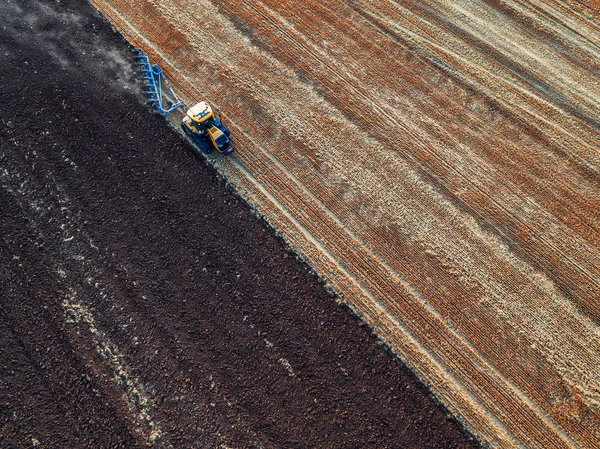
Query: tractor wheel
x=201, y=143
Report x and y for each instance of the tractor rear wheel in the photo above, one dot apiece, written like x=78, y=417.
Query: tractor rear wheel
x=202, y=144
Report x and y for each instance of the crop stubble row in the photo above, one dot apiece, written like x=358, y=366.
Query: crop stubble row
x=454, y=206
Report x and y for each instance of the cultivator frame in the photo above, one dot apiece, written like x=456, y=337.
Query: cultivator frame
x=208, y=133
x=155, y=88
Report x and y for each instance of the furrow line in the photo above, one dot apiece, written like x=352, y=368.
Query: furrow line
x=591, y=280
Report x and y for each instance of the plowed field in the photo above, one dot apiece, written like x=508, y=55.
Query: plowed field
x=142, y=303
x=438, y=164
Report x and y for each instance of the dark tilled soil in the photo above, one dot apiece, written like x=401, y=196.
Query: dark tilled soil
x=142, y=303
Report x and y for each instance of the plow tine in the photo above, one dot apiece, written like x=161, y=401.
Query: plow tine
x=152, y=78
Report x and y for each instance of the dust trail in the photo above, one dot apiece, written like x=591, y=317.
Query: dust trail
x=68, y=37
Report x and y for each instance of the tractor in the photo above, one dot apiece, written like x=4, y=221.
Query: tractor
x=200, y=123
x=206, y=130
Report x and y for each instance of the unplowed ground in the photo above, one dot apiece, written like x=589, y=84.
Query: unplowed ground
x=437, y=162
x=142, y=304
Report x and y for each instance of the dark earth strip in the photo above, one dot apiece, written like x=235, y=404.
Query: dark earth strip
x=142, y=303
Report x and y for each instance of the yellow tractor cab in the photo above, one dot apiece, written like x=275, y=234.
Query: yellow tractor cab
x=206, y=130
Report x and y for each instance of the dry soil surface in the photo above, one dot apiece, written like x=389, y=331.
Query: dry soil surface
x=142, y=303
x=438, y=163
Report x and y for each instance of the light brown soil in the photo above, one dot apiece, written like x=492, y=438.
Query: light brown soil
x=142, y=304
x=438, y=164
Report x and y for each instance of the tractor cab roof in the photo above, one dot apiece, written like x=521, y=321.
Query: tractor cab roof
x=200, y=112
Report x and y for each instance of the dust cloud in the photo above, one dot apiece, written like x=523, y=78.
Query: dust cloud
x=70, y=39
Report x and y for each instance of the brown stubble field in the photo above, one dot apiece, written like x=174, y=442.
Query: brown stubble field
x=142, y=303
x=437, y=163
